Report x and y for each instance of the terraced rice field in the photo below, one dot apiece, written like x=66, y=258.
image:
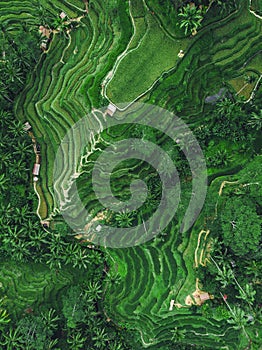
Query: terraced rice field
x=31, y=286
x=154, y=50
x=74, y=77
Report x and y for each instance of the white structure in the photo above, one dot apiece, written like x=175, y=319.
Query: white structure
x=36, y=169
x=62, y=15
x=111, y=109
x=98, y=228
x=172, y=302
x=27, y=126
x=181, y=54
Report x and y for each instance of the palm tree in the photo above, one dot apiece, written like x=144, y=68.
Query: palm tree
x=221, y=158
x=254, y=268
x=190, y=18
x=248, y=294
x=41, y=15
x=18, y=169
x=100, y=338
x=225, y=107
x=225, y=276
x=3, y=183
x=76, y=341
x=250, y=79
x=12, y=339
x=20, y=250
x=5, y=160
x=56, y=244
x=238, y=319
x=115, y=346
x=38, y=237
x=124, y=219
x=113, y=277
x=52, y=343
x=255, y=121
x=4, y=317
x=4, y=94
x=13, y=74
x=76, y=255
x=22, y=214
x=178, y=334
x=23, y=149
x=93, y=290
x=95, y=257
x=53, y=260
x=50, y=320
x=5, y=117
x=16, y=128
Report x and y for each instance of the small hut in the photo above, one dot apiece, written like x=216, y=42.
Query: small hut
x=45, y=31
x=62, y=15
x=36, y=169
x=111, y=109
x=44, y=45
x=27, y=126
x=200, y=297
x=172, y=302
x=204, y=297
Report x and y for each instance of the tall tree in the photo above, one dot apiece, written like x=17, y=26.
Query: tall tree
x=190, y=18
x=255, y=121
x=241, y=226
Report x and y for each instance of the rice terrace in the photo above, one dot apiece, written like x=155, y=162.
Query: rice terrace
x=130, y=182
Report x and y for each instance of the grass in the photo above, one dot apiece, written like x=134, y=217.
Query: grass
x=257, y=6
x=255, y=63
x=32, y=285
x=240, y=85
x=156, y=272
x=139, y=69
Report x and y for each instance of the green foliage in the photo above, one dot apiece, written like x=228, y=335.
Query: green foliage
x=37, y=331
x=190, y=18
x=238, y=318
x=124, y=219
x=4, y=317
x=73, y=308
x=76, y=340
x=225, y=276
x=241, y=226
x=247, y=294
x=255, y=121
x=250, y=178
x=151, y=271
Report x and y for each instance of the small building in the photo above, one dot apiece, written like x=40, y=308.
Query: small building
x=98, y=228
x=35, y=178
x=204, y=296
x=27, y=126
x=45, y=31
x=44, y=45
x=36, y=169
x=111, y=109
x=181, y=54
x=62, y=15
x=172, y=302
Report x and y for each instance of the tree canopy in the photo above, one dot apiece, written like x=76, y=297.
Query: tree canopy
x=241, y=226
